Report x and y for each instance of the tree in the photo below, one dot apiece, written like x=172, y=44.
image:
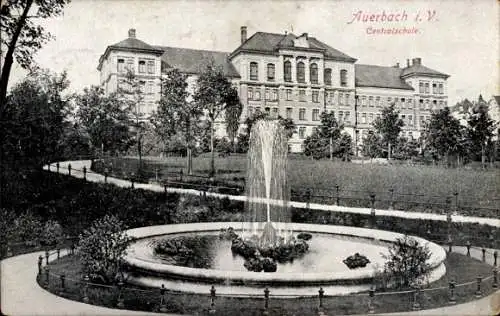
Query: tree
x=480, y=129
x=443, y=134
x=104, y=119
x=21, y=37
x=405, y=148
x=215, y=94
x=388, y=126
x=326, y=138
x=178, y=113
x=407, y=262
x=233, y=115
x=101, y=247
x=35, y=119
x=372, y=145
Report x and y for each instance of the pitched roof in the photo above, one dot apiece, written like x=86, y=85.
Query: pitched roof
x=497, y=99
x=422, y=70
x=379, y=77
x=271, y=42
x=194, y=61
x=134, y=44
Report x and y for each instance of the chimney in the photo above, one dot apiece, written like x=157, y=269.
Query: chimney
x=305, y=35
x=243, y=34
x=408, y=63
x=396, y=66
x=417, y=61
x=131, y=33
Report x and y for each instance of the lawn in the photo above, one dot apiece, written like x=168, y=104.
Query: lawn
x=459, y=268
x=416, y=188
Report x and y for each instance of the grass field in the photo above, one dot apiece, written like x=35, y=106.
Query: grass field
x=476, y=188
x=459, y=268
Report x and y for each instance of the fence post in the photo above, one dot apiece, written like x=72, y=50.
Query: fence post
x=9, y=251
x=321, y=292
x=40, y=263
x=85, y=298
x=266, y=301
x=450, y=244
x=478, y=291
x=416, y=304
x=495, y=256
x=484, y=254
x=212, y=299
x=46, y=283
x=452, y=299
x=448, y=215
x=63, y=285
x=456, y=200
x=58, y=253
x=85, y=173
x=57, y=167
x=337, y=201
x=372, y=212
x=120, y=303
x=105, y=177
x=391, y=205
x=371, y=302
x=163, y=304
x=165, y=189
x=132, y=180
x=180, y=175
x=69, y=169
x=468, y=248
x=72, y=248
x=46, y=257
x=495, y=278
x=308, y=198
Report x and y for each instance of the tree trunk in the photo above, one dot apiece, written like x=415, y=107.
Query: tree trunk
x=212, y=149
x=389, y=151
x=331, y=148
x=189, y=160
x=483, y=157
x=9, y=56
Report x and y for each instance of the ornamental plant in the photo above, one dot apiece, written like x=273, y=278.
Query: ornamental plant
x=101, y=248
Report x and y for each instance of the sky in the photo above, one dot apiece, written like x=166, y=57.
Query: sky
x=459, y=38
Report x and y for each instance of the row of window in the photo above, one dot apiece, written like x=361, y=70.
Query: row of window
x=145, y=86
x=127, y=64
x=300, y=73
x=408, y=134
x=272, y=95
x=424, y=87
x=377, y=101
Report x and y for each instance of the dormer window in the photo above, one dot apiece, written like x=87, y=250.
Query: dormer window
x=343, y=78
x=287, y=70
x=121, y=65
x=328, y=76
x=301, y=72
x=254, y=71
x=313, y=69
x=270, y=72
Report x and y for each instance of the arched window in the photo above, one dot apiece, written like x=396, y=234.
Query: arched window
x=287, y=67
x=254, y=71
x=301, y=72
x=313, y=73
x=270, y=72
x=328, y=76
x=343, y=77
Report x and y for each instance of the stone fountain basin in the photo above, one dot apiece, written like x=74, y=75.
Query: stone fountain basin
x=141, y=266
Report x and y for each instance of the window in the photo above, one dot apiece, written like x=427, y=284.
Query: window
x=289, y=113
x=346, y=98
x=274, y=95
x=250, y=110
x=421, y=87
x=302, y=95
x=410, y=120
x=427, y=104
x=434, y=88
x=151, y=67
x=341, y=98
x=422, y=120
x=377, y=102
x=257, y=94
x=389, y=101
x=302, y=114
x=149, y=87
x=371, y=118
x=288, y=94
x=254, y=71
x=267, y=110
x=301, y=72
x=302, y=132
x=363, y=100
x=347, y=116
x=341, y=116
x=121, y=65
x=142, y=66
x=257, y=109
x=130, y=64
x=327, y=97
x=332, y=97
x=287, y=67
x=268, y=94
x=370, y=101
x=275, y=112
x=250, y=93
x=378, y=116
x=426, y=87
x=409, y=103
x=328, y=76
x=270, y=72
x=440, y=89
x=315, y=114
x=434, y=104
x=142, y=86
x=315, y=96
x=313, y=72
x=421, y=102
x=363, y=118
x=343, y=78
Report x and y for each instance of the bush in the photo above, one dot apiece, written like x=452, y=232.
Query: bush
x=27, y=228
x=407, y=262
x=101, y=248
x=52, y=233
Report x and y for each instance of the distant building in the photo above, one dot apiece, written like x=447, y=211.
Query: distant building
x=296, y=77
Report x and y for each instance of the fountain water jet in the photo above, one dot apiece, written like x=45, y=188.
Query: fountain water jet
x=267, y=190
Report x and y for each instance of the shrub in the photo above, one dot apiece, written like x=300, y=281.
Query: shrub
x=101, y=248
x=51, y=234
x=27, y=228
x=407, y=262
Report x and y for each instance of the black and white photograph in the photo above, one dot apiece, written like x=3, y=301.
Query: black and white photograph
x=231, y=157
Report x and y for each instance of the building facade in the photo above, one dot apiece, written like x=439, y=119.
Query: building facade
x=296, y=77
